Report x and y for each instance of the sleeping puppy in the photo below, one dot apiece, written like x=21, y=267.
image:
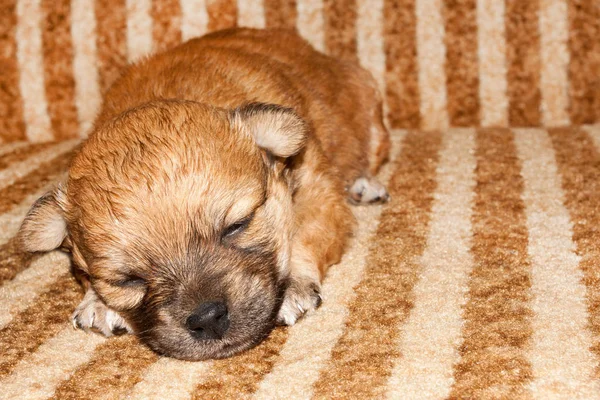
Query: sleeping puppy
x=212, y=195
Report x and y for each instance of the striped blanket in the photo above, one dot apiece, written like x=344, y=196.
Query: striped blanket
x=461, y=63
x=480, y=279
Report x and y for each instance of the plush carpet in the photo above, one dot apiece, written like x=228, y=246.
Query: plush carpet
x=480, y=279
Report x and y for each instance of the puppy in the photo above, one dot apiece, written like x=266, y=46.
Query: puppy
x=211, y=196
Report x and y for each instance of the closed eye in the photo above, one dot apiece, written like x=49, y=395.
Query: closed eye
x=131, y=281
x=237, y=227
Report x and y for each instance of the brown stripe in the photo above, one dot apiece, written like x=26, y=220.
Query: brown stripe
x=462, y=68
x=362, y=359
x=579, y=162
x=117, y=365
x=111, y=40
x=584, y=68
x=280, y=13
x=22, y=153
x=497, y=316
x=523, y=58
x=13, y=259
x=58, y=67
x=39, y=322
x=38, y=178
x=340, y=28
x=402, y=86
x=166, y=28
x=222, y=14
x=12, y=126
x=239, y=377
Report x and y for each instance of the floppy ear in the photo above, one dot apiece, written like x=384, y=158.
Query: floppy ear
x=278, y=130
x=44, y=227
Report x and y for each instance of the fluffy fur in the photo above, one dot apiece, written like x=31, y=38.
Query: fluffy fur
x=217, y=172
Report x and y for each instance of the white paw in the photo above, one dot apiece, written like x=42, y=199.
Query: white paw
x=368, y=191
x=93, y=314
x=300, y=297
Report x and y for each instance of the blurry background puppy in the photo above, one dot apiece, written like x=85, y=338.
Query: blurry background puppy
x=210, y=198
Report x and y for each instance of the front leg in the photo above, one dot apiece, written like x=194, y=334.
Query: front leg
x=324, y=223
x=92, y=314
x=302, y=295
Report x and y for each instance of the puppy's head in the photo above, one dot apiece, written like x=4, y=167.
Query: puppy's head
x=180, y=214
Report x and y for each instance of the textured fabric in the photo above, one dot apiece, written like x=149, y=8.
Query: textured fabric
x=480, y=279
x=453, y=63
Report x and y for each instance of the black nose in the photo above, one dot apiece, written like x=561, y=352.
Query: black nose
x=209, y=320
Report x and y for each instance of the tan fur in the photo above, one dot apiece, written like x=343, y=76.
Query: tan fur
x=215, y=173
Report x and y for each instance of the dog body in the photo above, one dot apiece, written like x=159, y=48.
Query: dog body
x=210, y=198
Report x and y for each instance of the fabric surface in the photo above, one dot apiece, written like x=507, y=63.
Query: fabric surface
x=480, y=279
x=453, y=63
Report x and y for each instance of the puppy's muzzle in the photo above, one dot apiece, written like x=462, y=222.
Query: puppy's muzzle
x=209, y=321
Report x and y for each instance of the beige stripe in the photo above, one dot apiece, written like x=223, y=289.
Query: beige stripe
x=31, y=66
x=561, y=362
x=428, y=352
x=10, y=147
x=139, y=29
x=311, y=22
x=194, y=18
x=369, y=26
x=18, y=294
x=554, y=33
x=37, y=376
x=251, y=13
x=594, y=132
x=431, y=58
x=303, y=355
x=492, y=63
x=85, y=63
x=20, y=169
x=170, y=379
